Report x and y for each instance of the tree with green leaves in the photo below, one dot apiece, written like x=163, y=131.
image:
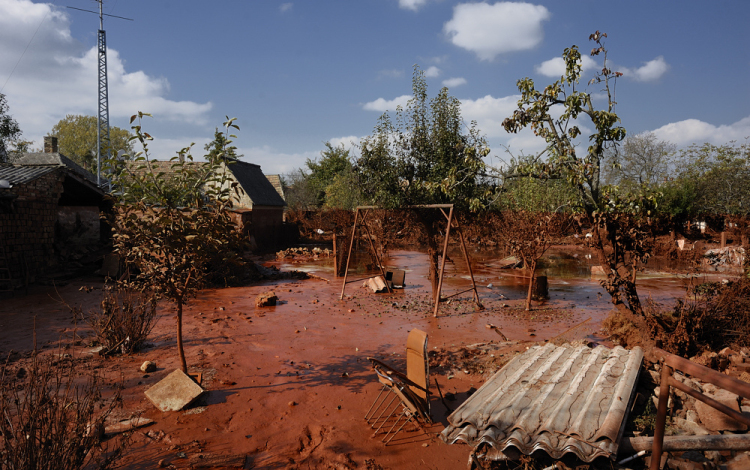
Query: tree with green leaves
x=619, y=222
x=333, y=161
x=172, y=225
x=427, y=156
x=77, y=139
x=221, y=146
x=719, y=176
x=10, y=134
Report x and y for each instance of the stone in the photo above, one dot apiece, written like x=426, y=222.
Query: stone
x=148, y=367
x=266, y=299
x=713, y=419
x=174, y=392
x=740, y=462
x=690, y=427
x=726, y=352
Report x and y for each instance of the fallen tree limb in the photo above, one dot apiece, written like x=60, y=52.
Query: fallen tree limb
x=630, y=445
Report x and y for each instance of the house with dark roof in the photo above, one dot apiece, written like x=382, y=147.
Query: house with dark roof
x=257, y=206
x=48, y=206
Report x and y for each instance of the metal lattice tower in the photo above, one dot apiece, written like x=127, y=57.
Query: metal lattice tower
x=103, y=146
x=102, y=128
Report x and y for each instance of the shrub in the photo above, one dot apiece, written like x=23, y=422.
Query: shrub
x=51, y=415
x=124, y=321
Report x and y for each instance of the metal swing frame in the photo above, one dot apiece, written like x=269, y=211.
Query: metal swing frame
x=452, y=223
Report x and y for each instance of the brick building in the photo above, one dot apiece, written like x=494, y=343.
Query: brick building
x=46, y=201
x=257, y=208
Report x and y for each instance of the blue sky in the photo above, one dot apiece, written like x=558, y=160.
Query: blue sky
x=298, y=73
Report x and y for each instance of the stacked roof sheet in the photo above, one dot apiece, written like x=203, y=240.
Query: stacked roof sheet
x=556, y=399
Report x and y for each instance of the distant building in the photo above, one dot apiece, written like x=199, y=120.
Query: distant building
x=257, y=208
x=49, y=205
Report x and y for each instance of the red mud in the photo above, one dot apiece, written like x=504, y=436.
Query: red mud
x=289, y=385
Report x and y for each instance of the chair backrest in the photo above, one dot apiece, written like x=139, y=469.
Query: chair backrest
x=417, y=364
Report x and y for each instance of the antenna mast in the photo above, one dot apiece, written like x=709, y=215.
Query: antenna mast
x=102, y=121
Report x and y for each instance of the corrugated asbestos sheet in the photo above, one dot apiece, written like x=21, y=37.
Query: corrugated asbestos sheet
x=555, y=399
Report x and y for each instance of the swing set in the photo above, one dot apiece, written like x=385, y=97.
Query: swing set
x=360, y=221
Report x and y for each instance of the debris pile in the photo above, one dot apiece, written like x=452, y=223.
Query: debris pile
x=727, y=256
x=303, y=253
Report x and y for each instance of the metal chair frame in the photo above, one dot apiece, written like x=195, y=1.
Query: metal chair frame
x=410, y=398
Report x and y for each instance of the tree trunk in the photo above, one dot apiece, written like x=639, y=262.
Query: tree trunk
x=532, y=268
x=179, y=336
x=620, y=281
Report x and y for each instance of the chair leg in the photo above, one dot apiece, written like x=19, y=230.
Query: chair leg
x=403, y=414
x=410, y=417
x=384, y=410
x=395, y=408
x=367, y=415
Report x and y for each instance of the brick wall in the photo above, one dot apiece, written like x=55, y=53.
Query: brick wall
x=28, y=230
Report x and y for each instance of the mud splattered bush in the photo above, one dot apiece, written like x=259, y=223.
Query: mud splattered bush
x=50, y=417
x=124, y=321
x=719, y=317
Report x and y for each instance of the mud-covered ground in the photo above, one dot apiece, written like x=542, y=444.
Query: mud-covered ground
x=288, y=386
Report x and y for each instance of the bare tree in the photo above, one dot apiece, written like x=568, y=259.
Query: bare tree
x=643, y=161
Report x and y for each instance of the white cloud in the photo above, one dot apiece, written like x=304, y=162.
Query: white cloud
x=273, y=161
x=454, y=82
x=382, y=105
x=489, y=112
x=57, y=75
x=412, y=5
x=691, y=131
x=285, y=7
x=350, y=142
x=490, y=30
x=556, y=67
x=648, y=72
x=432, y=72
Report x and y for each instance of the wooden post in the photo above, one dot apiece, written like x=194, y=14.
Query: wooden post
x=442, y=262
x=335, y=258
x=661, y=416
x=349, y=255
x=468, y=265
x=723, y=239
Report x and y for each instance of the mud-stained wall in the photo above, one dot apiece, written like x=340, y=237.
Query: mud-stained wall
x=263, y=224
x=27, y=227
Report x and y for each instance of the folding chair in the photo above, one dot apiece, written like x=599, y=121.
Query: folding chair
x=410, y=392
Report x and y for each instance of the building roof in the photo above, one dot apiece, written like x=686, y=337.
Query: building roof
x=22, y=174
x=555, y=399
x=258, y=188
x=255, y=184
x=37, y=159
